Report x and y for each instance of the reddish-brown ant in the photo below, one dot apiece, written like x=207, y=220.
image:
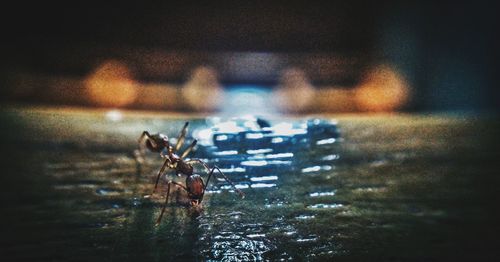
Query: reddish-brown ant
x=195, y=187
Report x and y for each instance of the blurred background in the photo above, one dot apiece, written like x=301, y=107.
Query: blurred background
x=79, y=83
x=259, y=57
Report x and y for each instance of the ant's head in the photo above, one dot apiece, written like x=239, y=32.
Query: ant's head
x=157, y=142
x=164, y=140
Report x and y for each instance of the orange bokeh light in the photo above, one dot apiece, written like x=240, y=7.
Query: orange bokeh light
x=383, y=89
x=111, y=85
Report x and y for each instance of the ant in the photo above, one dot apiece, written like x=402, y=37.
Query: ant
x=195, y=187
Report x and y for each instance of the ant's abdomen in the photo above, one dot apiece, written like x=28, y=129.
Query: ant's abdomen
x=195, y=186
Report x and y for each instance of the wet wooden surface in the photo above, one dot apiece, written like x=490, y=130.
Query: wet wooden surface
x=405, y=187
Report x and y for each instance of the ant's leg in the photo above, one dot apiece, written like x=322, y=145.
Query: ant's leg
x=198, y=161
x=179, y=185
x=164, y=206
x=182, y=137
x=166, y=199
x=165, y=164
x=208, y=180
x=145, y=136
x=186, y=152
x=141, y=152
x=242, y=195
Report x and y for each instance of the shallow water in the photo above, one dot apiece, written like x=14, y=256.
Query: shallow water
x=396, y=188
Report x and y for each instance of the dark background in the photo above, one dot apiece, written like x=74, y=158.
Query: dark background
x=447, y=50
x=440, y=170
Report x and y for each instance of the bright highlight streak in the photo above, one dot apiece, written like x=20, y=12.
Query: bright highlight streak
x=325, y=206
x=280, y=155
x=238, y=186
x=262, y=185
x=254, y=135
x=311, y=169
x=330, y=157
x=254, y=163
x=233, y=170
x=320, y=194
x=264, y=178
x=259, y=151
x=221, y=138
x=326, y=141
x=226, y=153
x=277, y=140
x=304, y=217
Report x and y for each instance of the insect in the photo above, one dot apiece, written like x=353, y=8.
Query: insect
x=195, y=187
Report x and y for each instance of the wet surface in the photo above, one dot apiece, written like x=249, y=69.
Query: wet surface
x=257, y=153
x=395, y=188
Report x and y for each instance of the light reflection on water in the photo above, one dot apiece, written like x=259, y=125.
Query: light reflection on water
x=305, y=217
x=403, y=185
x=263, y=178
x=320, y=194
x=325, y=206
x=259, y=149
x=262, y=161
x=268, y=172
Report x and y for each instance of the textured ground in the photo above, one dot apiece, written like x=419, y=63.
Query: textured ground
x=405, y=187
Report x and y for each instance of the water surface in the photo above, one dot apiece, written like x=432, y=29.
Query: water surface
x=404, y=187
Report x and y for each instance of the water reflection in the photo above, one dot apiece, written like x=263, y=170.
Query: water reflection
x=405, y=183
x=269, y=161
x=311, y=238
x=260, y=155
x=304, y=217
x=321, y=194
x=251, y=150
x=263, y=178
x=325, y=206
x=229, y=237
